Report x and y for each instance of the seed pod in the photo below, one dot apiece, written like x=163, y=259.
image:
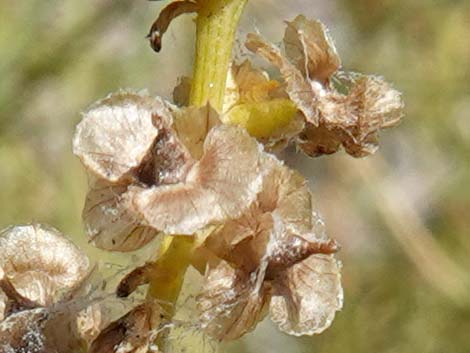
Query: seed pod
x=40, y=264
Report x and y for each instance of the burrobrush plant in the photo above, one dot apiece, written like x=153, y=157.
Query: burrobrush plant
x=202, y=174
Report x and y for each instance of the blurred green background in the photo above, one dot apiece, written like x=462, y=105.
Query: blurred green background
x=401, y=215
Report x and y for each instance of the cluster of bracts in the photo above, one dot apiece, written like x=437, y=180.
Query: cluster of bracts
x=157, y=168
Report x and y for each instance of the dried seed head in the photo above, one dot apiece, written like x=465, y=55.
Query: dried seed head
x=354, y=120
x=126, y=139
x=332, y=119
x=221, y=185
x=258, y=252
x=40, y=262
x=183, y=173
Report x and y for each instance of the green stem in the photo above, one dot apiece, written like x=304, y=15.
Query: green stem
x=217, y=23
x=216, y=27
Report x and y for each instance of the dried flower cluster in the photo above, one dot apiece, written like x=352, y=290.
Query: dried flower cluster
x=158, y=169
x=41, y=274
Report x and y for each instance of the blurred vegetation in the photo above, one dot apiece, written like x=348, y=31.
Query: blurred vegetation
x=400, y=215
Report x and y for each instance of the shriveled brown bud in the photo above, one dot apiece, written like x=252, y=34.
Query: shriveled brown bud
x=164, y=19
x=131, y=333
x=137, y=277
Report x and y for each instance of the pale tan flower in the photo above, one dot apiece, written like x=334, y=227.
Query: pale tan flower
x=156, y=168
x=41, y=265
x=275, y=256
x=333, y=119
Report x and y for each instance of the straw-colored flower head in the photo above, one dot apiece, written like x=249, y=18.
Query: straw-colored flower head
x=275, y=256
x=156, y=168
x=42, y=276
x=309, y=67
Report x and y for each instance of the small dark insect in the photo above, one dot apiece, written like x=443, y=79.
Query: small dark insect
x=168, y=14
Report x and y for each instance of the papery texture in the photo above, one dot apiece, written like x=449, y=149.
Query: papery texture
x=221, y=185
x=40, y=262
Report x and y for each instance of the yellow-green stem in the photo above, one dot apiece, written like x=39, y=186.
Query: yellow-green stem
x=216, y=28
x=168, y=276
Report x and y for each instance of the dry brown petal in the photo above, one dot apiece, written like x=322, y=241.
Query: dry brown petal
x=231, y=304
x=41, y=262
x=117, y=133
x=192, y=126
x=317, y=141
x=309, y=47
x=307, y=296
x=354, y=120
x=298, y=88
x=110, y=222
x=11, y=301
x=221, y=185
x=241, y=242
x=131, y=333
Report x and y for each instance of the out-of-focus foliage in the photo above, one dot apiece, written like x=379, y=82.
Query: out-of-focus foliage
x=400, y=215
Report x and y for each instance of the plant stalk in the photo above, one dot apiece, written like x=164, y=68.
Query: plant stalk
x=216, y=23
